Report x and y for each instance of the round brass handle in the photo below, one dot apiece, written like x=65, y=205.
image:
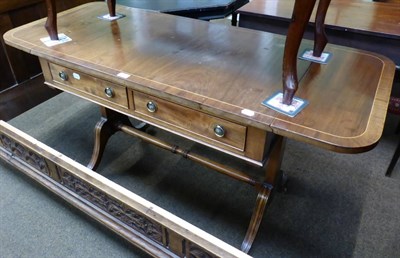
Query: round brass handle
x=63, y=75
x=151, y=106
x=219, y=131
x=109, y=92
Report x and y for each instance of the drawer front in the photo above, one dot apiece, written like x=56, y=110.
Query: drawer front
x=92, y=86
x=193, y=122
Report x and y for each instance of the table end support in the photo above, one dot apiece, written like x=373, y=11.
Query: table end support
x=258, y=213
x=105, y=128
x=272, y=178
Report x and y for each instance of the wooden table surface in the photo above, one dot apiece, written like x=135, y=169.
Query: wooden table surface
x=173, y=5
x=357, y=15
x=361, y=24
x=222, y=71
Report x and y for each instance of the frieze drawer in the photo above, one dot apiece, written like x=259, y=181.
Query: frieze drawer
x=74, y=80
x=196, y=123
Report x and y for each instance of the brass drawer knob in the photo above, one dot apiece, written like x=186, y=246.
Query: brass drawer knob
x=219, y=131
x=63, y=75
x=151, y=106
x=109, y=92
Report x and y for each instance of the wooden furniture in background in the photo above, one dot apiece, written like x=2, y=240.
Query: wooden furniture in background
x=388, y=1
x=13, y=14
x=25, y=96
x=367, y=25
x=21, y=85
x=205, y=82
x=202, y=10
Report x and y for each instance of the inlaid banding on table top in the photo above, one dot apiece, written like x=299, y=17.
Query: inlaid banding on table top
x=218, y=69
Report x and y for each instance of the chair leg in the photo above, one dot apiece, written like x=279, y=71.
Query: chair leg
x=394, y=160
x=398, y=128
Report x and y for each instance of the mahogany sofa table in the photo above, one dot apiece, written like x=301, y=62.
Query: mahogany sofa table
x=205, y=82
x=361, y=24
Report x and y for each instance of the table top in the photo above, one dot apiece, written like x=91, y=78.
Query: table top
x=201, y=9
x=362, y=16
x=224, y=71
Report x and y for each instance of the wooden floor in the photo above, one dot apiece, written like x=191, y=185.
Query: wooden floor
x=23, y=97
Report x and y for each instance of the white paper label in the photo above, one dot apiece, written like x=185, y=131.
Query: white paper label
x=123, y=75
x=62, y=38
x=323, y=59
x=247, y=112
x=107, y=17
x=76, y=76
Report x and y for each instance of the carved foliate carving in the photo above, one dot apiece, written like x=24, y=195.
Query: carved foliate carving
x=25, y=154
x=198, y=252
x=100, y=199
x=113, y=207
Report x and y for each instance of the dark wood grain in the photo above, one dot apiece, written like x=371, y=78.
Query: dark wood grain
x=104, y=129
x=28, y=94
x=272, y=174
x=6, y=6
